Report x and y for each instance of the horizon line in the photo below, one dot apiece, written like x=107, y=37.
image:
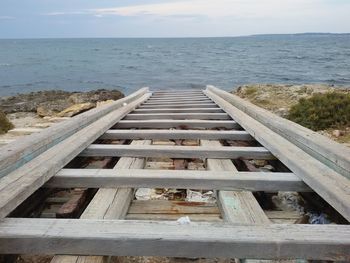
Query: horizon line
x=181, y=37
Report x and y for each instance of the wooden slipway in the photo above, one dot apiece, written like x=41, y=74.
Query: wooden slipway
x=229, y=131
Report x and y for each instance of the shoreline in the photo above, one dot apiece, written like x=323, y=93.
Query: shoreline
x=32, y=112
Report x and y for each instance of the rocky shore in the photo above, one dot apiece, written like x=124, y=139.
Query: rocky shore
x=279, y=98
x=54, y=102
x=24, y=114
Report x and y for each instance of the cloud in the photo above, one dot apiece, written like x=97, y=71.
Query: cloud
x=6, y=17
x=67, y=13
x=238, y=9
x=244, y=9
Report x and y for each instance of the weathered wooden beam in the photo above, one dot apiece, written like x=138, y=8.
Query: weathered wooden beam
x=108, y=204
x=177, y=116
x=183, y=179
x=178, y=106
x=25, y=149
x=177, y=151
x=167, y=124
x=176, y=134
x=179, y=96
x=198, y=103
x=135, y=238
x=177, y=93
x=332, y=186
x=236, y=207
x=176, y=101
x=167, y=99
x=22, y=182
x=188, y=110
x=329, y=152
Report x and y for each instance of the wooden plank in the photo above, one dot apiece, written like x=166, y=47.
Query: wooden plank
x=176, y=99
x=176, y=93
x=173, y=217
x=167, y=124
x=233, y=152
x=219, y=180
x=171, y=207
x=330, y=185
x=21, y=183
x=177, y=116
x=188, y=110
x=199, y=103
x=108, y=204
x=25, y=149
x=329, y=152
x=178, y=106
x=176, y=134
x=196, y=97
x=135, y=238
x=237, y=207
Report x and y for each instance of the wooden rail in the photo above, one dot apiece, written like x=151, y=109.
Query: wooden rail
x=224, y=133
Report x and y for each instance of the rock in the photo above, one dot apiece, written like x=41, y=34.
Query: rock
x=52, y=108
x=282, y=112
x=49, y=103
x=44, y=111
x=95, y=96
x=102, y=103
x=337, y=133
x=259, y=163
x=5, y=124
x=76, y=109
x=31, y=101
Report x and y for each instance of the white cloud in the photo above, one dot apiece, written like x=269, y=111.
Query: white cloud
x=66, y=13
x=224, y=17
x=6, y=17
x=223, y=8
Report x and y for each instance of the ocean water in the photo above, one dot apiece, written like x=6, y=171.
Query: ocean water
x=128, y=64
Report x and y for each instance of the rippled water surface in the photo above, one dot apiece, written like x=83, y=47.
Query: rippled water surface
x=128, y=64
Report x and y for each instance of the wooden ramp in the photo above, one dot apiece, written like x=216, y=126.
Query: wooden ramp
x=150, y=142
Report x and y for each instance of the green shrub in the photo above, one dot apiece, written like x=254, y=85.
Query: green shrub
x=5, y=124
x=251, y=90
x=322, y=111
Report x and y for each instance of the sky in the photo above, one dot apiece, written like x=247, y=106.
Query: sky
x=170, y=18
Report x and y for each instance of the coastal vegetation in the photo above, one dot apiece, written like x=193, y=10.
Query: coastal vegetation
x=322, y=108
x=5, y=124
x=322, y=111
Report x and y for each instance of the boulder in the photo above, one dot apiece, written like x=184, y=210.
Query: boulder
x=102, y=103
x=43, y=111
x=76, y=109
x=95, y=96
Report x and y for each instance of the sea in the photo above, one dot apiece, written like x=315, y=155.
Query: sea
x=28, y=65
